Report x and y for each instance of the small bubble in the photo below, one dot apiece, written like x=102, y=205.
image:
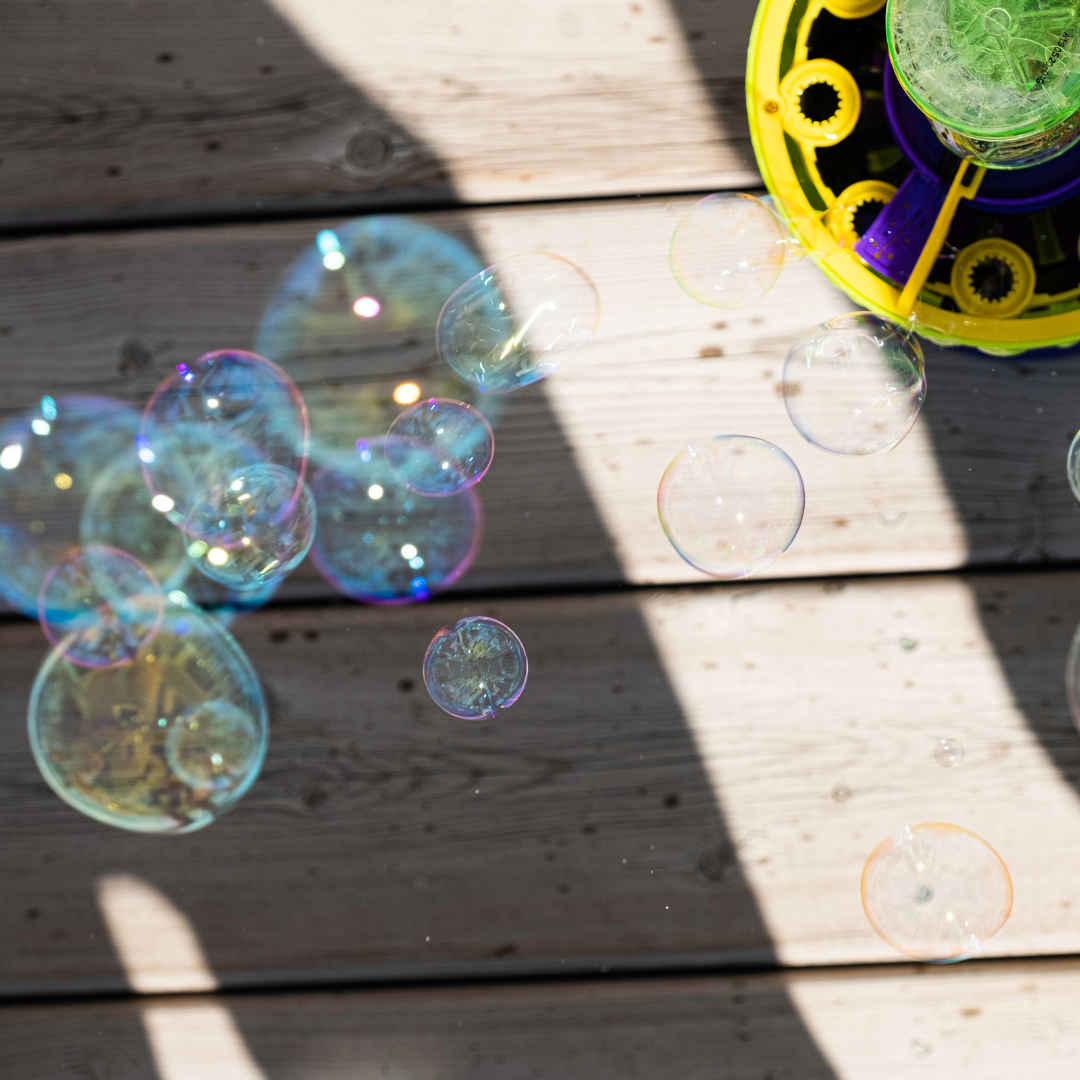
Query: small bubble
x=948, y=753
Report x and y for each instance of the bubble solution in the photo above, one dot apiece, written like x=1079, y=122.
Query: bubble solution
x=517, y=321
x=854, y=384
x=440, y=447
x=732, y=505
x=728, y=250
x=475, y=667
x=936, y=892
x=98, y=606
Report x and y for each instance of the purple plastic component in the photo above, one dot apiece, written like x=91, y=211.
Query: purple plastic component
x=1009, y=191
x=893, y=244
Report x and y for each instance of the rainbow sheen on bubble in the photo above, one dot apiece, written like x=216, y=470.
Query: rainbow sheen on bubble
x=474, y=667
x=949, y=753
x=225, y=411
x=517, y=321
x=98, y=606
x=855, y=384
x=354, y=329
x=100, y=735
x=728, y=250
x=253, y=528
x=384, y=544
x=50, y=459
x=213, y=746
x=439, y=447
x=118, y=513
x=732, y=505
x=936, y=892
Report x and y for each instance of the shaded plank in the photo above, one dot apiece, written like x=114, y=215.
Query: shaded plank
x=980, y=480
x=115, y=112
x=691, y=777
x=976, y=1020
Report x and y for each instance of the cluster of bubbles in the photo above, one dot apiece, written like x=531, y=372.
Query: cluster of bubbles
x=135, y=538
x=730, y=506
x=853, y=385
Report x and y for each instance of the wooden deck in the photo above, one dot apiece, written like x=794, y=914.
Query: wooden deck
x=651, y=864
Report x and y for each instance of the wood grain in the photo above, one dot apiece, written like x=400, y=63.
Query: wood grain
x=691, y=777
x=987, y=1021
x=203, y=108
x=571, y=496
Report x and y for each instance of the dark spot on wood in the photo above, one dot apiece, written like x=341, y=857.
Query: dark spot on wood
x=429, y=827
x=841, y=523
x=313, y=799
x=279, y=635
x=211, y=145
x=991, y=609
x=33, y=913
x=5, y=331
x=311, y=635
x=113, y=170
x=134, y=357
x=710, y=351
x=696, y=35
x=266, y=69
x=719, y=325
x=618, y=688
x=588, y=830
x=972, y=1010
x=715, y=862
x=405, y=685
x=671, y=801
x=504, y=950
x=165, y=58
x=563, y=889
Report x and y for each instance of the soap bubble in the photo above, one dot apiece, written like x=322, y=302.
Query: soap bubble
x=948, y=753
x=474, y=667
x=252, y=528
x=357, y=364
x=732, y=505
x=118, y=513
x=225, y=411
x=728, y=250
x=1072, y=466
x=936, y=892
x=854, y=384
x=48, y=465
x=99, y=606
x=213, y=745
x=380, y=542
x=440, y=447
x=99, y=735
x=517, y=321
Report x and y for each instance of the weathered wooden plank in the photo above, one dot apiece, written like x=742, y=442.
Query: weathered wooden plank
x=178, y=108
x=691, y=777
x=977, y=1020
x=571, y=497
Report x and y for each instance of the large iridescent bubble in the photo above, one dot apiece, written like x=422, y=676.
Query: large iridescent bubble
x=728, y=250
x=474, y=667
x=225, y=411
x=99, y=606
x=440, y=447
x=517, y=321
x=855, y=384
x=252, y=528
x=732, y=505
x=382, y=543
x=102, y=736
x=936, y=892
x=353, y=322
x=50, y=459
